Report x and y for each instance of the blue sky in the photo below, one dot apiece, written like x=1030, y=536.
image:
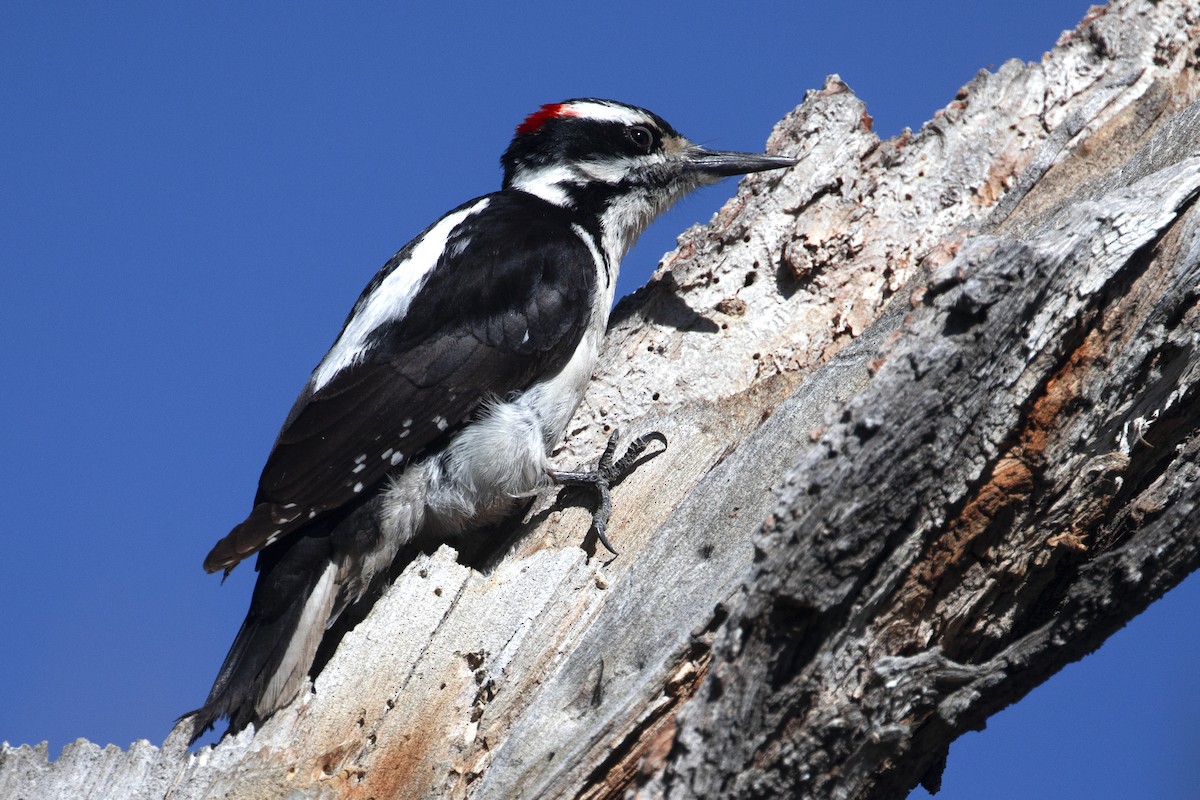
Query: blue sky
x=193, y=196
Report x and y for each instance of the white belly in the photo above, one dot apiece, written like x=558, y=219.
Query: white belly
x=502, y=455
x=505, y=452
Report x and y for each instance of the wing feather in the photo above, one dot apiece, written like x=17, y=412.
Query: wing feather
x=496, y=313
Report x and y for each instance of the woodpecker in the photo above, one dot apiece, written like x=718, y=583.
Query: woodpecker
x=453, y=377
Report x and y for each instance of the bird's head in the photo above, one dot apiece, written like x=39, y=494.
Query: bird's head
x=621, y=164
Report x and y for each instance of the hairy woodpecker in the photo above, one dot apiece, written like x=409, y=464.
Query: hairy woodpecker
x=453, y=377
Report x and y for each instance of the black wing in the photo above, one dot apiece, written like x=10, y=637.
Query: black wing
x=506, y=304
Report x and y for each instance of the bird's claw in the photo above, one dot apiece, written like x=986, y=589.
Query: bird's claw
x=609, y=473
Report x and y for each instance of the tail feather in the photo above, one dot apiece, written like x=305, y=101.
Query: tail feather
x=271, y=655
x=287, y=679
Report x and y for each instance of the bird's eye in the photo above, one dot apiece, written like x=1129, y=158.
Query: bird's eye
x=641, y=137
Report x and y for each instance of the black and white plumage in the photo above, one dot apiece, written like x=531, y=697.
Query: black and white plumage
x=453, y=377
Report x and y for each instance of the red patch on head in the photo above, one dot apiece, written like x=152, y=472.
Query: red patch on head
x=538, y=118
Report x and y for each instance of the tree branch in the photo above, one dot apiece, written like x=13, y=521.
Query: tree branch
x=967, y=355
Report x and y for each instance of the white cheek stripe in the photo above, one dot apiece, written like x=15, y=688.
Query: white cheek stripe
x=546, y=183
x=390, y=300
x=614, y=170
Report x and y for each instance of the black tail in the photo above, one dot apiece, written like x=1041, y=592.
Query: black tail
x=273, y=651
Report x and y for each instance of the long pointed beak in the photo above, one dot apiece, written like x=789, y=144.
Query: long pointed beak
x=722, y=163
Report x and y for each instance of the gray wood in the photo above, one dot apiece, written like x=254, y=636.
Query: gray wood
x=1015, y=483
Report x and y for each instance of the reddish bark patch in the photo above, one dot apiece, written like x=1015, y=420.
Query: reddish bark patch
x=644, y=749
x=987, y=518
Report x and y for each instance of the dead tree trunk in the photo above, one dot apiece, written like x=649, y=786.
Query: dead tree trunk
x=969, y=357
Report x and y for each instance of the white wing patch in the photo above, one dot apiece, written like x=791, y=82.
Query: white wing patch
x=390, y=300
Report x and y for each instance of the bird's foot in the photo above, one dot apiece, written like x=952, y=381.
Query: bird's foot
x=609, y=473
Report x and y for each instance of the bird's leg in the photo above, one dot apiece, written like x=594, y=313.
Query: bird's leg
x=608, y=473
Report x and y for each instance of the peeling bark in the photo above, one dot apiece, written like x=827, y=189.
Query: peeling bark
x=932, y=411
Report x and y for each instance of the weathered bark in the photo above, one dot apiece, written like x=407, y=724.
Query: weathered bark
x=968, y=356
x=1017, y=480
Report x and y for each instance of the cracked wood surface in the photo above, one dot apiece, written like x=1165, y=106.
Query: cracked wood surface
x=966, y=526
x=1031, y=245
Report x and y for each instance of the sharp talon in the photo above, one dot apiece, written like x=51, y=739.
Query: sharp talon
x=606, y=474
x=604, y=540
x=602, y=513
